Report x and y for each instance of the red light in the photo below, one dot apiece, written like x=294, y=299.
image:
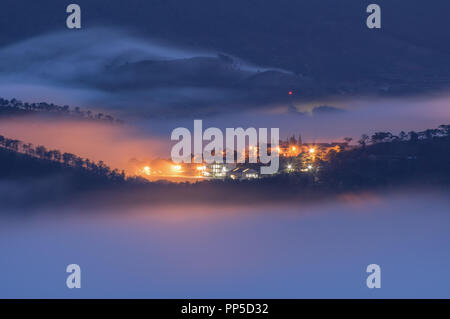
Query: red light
x=290, y=92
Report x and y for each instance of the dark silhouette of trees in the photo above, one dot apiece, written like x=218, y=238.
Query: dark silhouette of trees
x=445, y=130
x=413, y=137
x=380, y=137
x=403, y=136
x=363, y=140
x=15, y=106
x=420, y=158
x=292, y=140
x=40, y=151
x=66, y=159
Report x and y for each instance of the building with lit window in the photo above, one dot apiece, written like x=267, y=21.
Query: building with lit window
x=241, y=173
x=218, y=170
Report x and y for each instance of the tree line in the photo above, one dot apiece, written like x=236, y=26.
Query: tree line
x=15, y=104
x=384, y=159
x=68, y=159
x=383, y=137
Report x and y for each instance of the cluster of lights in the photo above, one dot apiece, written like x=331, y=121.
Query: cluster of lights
x=220, y=170
x=307, y=169
x=294, y=149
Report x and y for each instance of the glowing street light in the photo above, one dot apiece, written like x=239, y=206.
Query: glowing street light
x=146, y=170
x=312, y=150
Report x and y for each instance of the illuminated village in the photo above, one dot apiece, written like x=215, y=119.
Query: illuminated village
x=294, y=157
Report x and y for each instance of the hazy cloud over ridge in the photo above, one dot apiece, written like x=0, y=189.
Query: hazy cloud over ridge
x=115, y=69
x=136, y=75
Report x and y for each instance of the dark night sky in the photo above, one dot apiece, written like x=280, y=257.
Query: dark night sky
x=319, y=49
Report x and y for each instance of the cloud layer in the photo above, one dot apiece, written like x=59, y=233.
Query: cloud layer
x=111, y=68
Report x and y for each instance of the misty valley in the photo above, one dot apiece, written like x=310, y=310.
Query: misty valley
x=280, y=150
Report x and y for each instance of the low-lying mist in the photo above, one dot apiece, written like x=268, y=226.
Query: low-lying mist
x=241, y=251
